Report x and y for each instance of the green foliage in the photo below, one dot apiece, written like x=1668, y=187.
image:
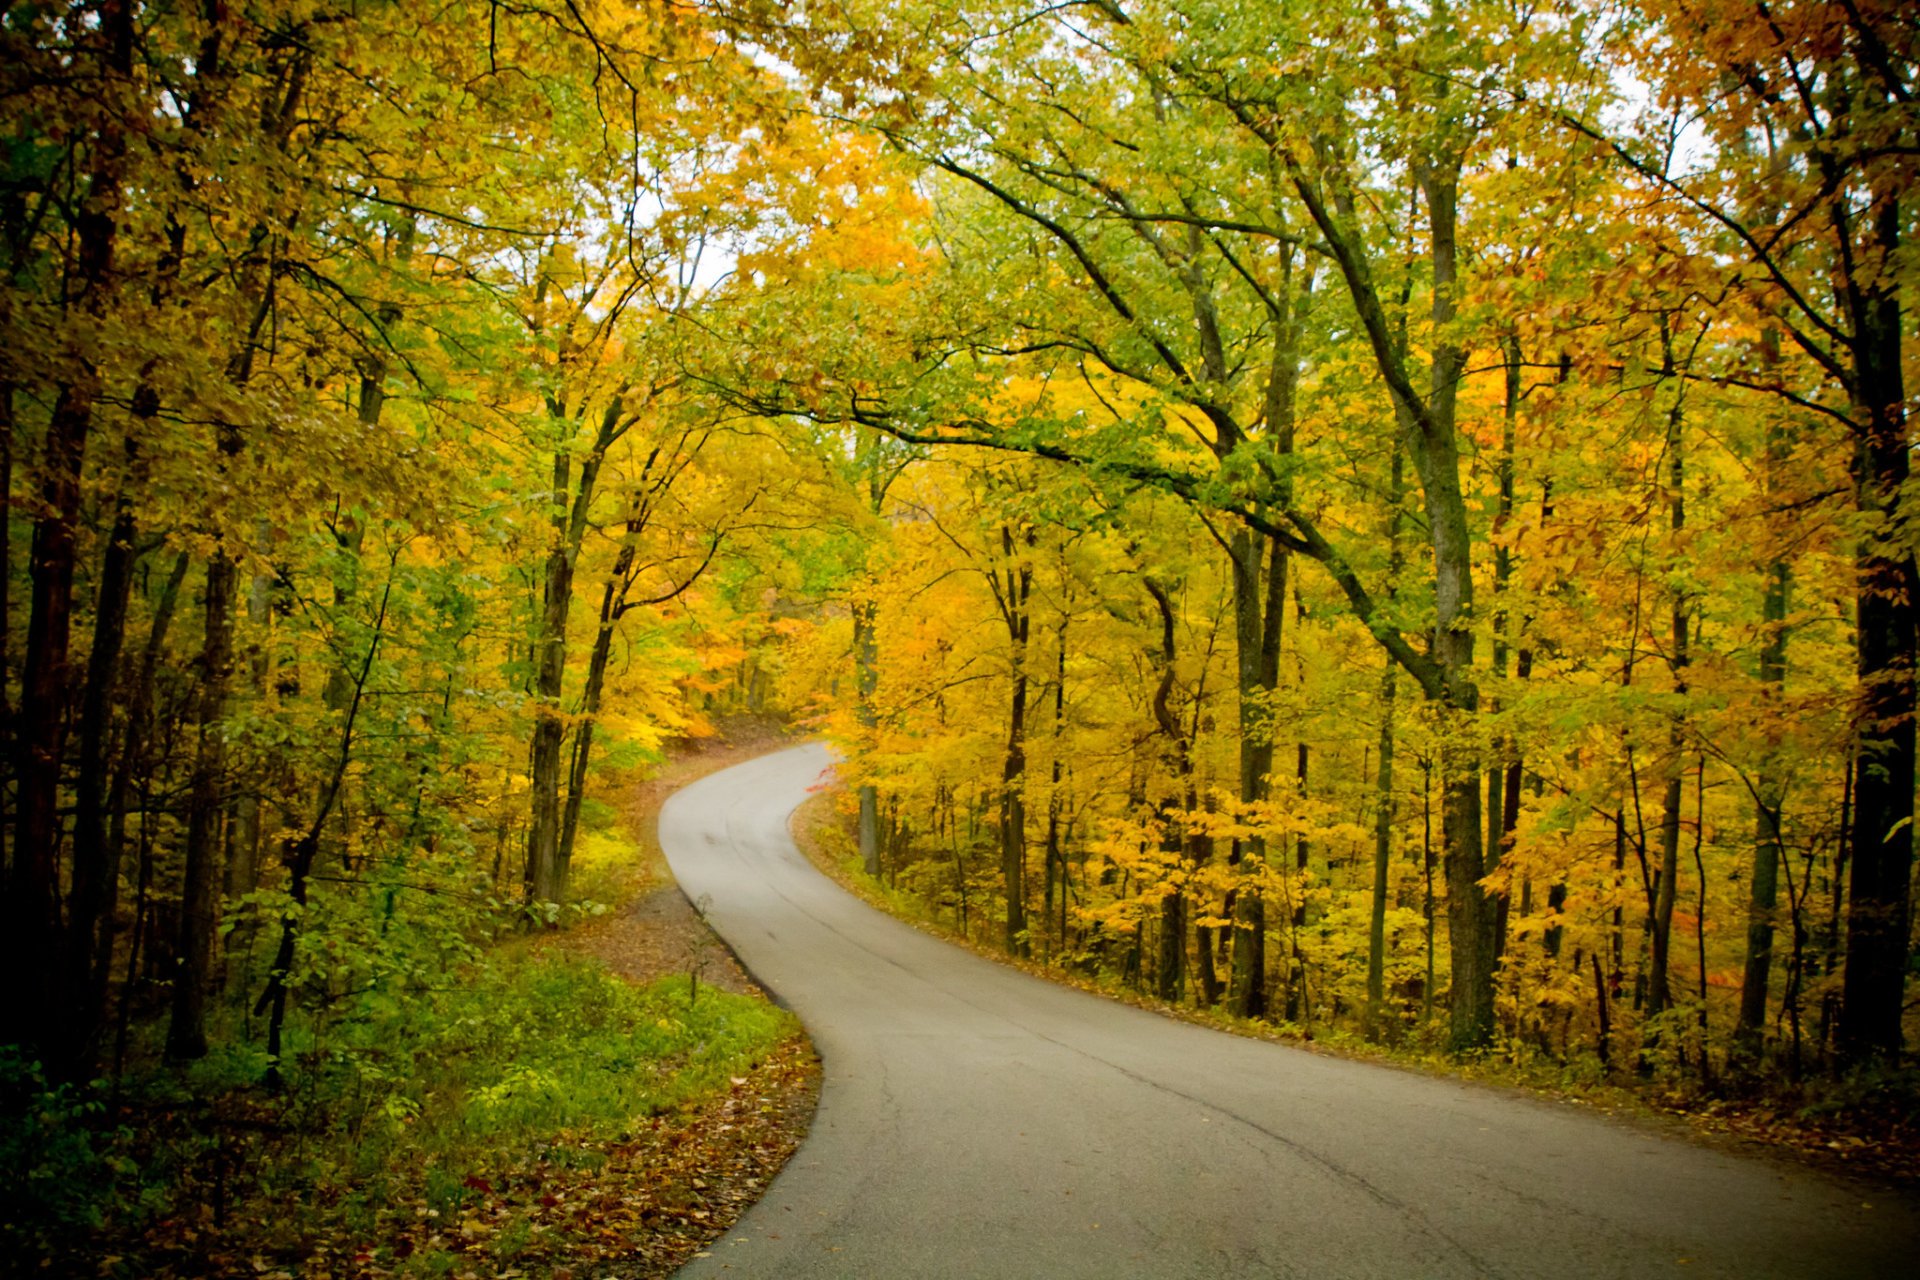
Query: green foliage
x=415, y=1096
x=59, y=1168
x=525, y=1048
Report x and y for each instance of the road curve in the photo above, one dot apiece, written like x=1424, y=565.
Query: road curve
x=978, y=1122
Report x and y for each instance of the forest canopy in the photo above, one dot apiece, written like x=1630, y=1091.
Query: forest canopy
x=1382, y=517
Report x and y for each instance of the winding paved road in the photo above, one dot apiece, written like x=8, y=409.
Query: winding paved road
x=978, y=1122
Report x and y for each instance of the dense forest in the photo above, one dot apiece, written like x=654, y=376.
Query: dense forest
x=1382, y=518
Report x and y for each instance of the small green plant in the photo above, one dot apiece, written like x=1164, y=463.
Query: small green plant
x=59, y=1168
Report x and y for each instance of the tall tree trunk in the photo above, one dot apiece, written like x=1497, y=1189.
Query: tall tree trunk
x=30, y=914
x=1660, y=931
x=1174, y=837
x=1503, y=779
x=1258, y=609
x=244, y=813
x=549, y=727
x=570, y=503
x=1383, y=779
x=1427, y=423
x=1259, y=614
x=1297, y=1005
x=614, y=604
x=94, y=868
x=879, y=469
x=589, y=712
x=206, y=798
x=1016, y=596
x=187, y=1027
x=7, y=759
x=1055, y=857
x=132, y=758
x=866, y=680
x=1769, y=789
x=1436, y=454
x=1888, y=595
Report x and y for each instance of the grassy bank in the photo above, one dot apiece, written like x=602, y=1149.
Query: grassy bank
x=519, y=1105
x=424, y=1134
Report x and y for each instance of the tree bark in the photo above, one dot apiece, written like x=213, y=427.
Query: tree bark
x=1503, y=779
x=1769, y=789
x=31, y=914
x=94, y=867
x=1174, y=837
x=571, y=502
x=1016, y=595
x=187, y=1026
x=1383, y=779
x=1888, y=594
x=132, y=757
x=1436, y=454
x=866, y=680
x=1660, y=930
x=1257, y=609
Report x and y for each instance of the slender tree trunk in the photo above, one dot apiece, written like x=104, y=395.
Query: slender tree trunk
x=1055, y=805
x=244, y=833
x=301, y=854
x=133, y=757
x=1297, y=1005
x=1258, y=606
x=1660, y=984
x=7, y=426
x=1503, y=779
x=570, y=502
x=94, y=868
x=1437, y=459
x=1383, y=780
x=187, y=1028
x=1382, y=861
x=549, y=729
x=1017, y=591
x=1769, y=788
x=582, y=754
x=1259, y=611
x=866, y=680
x=206, y=800
x=1660, y=920
x=879, y=472
x=1426, y=864
x=1174, y=837
x=613, y=605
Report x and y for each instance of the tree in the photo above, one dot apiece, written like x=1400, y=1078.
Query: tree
x=1820, y=94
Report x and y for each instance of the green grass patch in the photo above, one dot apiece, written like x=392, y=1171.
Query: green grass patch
x=545, y=1044
x=406, y=1104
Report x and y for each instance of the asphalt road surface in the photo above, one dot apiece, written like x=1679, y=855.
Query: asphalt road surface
x=975, y=1121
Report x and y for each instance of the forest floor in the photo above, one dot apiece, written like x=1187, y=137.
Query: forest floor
x=248, y=1184
x=722, y=1152
x=1868, y=1129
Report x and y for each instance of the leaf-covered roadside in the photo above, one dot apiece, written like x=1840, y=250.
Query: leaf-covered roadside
x=544, y=1116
